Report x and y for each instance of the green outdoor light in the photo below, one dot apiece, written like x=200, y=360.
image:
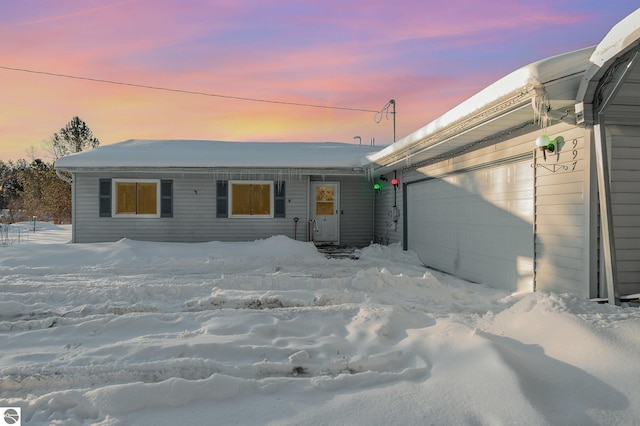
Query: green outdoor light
x=545, y=143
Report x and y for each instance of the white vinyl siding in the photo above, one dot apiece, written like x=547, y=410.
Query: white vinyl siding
x=564, y=218
x=476, y=224
x=471, y=215
x=564, y=250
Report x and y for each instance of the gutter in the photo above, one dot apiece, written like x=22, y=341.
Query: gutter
x=558, y=75
x=462, y=126
x=63, y=177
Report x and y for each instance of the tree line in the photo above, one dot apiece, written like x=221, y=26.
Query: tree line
x=33, y=188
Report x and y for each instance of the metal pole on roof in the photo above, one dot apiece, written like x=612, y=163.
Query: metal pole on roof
x=385, y=112
x=393, y=103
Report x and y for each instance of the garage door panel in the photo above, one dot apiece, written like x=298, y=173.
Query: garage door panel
x=476, y=225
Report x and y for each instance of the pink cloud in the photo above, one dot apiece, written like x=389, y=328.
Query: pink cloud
x=351, y=54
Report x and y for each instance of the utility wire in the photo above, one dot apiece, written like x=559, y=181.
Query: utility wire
x=188, y=92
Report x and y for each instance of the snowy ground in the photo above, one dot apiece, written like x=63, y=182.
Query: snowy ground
x=272, y=332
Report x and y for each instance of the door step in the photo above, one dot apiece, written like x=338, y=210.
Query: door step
x=338, y=252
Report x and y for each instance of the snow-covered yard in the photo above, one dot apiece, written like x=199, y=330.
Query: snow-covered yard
x=272, y=332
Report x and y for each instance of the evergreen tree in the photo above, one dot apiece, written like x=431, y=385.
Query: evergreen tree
x=74, y=137
x=10, y=189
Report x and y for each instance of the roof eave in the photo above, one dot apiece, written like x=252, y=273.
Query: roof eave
x=457, y=134
x=491, y=124
x=224, y=171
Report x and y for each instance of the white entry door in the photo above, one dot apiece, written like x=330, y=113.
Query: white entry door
x=325, y=208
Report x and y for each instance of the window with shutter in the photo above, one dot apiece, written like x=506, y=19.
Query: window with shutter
x=136, y=197
x=251, y=198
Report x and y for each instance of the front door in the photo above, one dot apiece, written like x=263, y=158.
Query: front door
x=325, y=206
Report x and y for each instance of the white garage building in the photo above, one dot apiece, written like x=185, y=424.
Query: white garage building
x=479, y=198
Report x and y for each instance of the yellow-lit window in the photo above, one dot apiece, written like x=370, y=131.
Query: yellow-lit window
x=251, y=198
x=136, y=197
x=325, y=199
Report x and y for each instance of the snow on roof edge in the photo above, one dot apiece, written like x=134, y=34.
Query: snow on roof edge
x=525, y=79
x=182, y=153
x=621, y=36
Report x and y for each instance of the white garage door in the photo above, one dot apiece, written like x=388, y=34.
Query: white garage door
x=477, y=225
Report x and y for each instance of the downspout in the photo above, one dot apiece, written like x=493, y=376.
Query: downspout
x=73, y=209
x=604, y=189
x=405, y=218
x=375, y=200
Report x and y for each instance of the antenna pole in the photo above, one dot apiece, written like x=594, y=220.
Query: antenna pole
x=393, y=103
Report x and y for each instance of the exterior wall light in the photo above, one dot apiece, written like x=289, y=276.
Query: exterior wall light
x=545, y=143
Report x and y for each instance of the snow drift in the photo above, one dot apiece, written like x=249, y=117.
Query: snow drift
x=272, y=332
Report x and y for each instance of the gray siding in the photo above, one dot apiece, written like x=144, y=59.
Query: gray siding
x=356, y=208
x=625, y=199
x=563, y=216
x=387, y=230
x=356, y=221
x=194, y=213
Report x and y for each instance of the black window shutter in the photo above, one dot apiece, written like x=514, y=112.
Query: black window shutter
x=166, y=198
x=279, y=200
x=222, y=198
x=105, y=197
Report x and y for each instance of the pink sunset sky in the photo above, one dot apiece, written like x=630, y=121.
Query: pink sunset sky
x=347, y=57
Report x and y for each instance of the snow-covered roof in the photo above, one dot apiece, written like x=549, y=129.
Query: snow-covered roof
x=621, y=36
x=621, y=40
x=219, y=154
x=557, y=77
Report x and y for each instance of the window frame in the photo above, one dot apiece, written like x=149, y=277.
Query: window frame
x=231, y=183
x=114, y=202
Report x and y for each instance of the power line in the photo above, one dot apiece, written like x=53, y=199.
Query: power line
x=188, y=92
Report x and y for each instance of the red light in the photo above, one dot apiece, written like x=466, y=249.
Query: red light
x=395, y=182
